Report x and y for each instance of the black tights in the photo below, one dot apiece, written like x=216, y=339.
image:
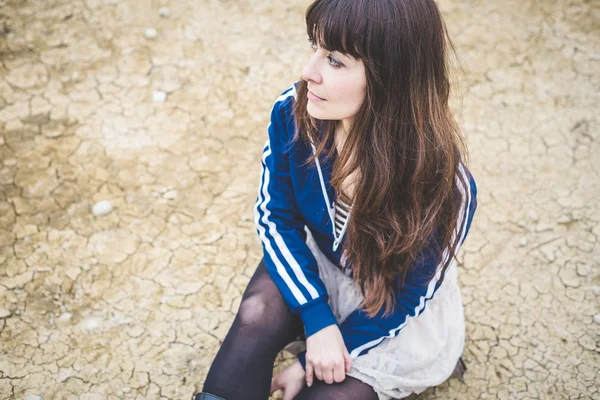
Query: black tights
x=263, y=326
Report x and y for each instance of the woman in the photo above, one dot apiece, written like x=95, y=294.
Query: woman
x=363, y=203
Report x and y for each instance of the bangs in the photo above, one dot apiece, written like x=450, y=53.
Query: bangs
x=338, y=25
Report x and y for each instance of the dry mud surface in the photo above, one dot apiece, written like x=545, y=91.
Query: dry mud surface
x=168, y=125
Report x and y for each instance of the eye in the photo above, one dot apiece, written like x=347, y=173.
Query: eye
x=333, y=62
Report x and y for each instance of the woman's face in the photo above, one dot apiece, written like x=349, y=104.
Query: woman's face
x=336, y=84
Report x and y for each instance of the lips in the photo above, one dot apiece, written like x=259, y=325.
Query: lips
x=319, y=97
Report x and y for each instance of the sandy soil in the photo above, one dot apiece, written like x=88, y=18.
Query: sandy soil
x=168, y=125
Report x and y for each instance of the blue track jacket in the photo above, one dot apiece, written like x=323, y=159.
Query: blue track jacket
x=292, y=198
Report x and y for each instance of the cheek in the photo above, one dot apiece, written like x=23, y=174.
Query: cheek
x=350, y=92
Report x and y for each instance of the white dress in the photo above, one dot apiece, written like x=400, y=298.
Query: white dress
x=422, y=355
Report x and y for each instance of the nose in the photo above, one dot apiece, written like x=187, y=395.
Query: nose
x=310, y=72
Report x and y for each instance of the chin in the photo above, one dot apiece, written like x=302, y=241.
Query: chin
x=316, y=113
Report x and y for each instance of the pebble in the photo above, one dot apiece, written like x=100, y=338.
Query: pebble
x=65, y=317
x=164, y=12
x=523, y=242
x=150, y=33
x=159, y=97
x=171, y=194
x=4, y=313
x=91, y=323
x=597, y=318
x=533, y=216
x=564, y=219
x=102, y=208
x=561, y=332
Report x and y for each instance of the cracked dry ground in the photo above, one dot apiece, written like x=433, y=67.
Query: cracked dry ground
x=134, y=304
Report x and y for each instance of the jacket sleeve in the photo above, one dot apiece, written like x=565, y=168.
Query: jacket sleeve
x=362, y=333
x=280, y=226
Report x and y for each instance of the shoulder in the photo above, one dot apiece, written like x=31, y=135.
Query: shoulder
x=282, y=115
x=284, y=104
x=468, y=179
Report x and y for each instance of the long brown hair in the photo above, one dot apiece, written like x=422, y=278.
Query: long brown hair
x=404, y=143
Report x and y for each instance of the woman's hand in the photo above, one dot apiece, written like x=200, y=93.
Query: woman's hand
x=327, y=356
x=290, y=380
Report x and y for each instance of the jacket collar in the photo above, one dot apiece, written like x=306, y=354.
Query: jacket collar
x=330, y=205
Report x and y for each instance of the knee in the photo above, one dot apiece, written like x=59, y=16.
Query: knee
x=259, y=315
x=253, y=311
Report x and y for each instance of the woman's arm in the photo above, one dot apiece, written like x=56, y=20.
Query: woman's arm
x=362, y=333
x=280, y=225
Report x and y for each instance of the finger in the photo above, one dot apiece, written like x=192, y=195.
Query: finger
x=339, y=373
x=319, y=372
x=348, y=360
x=328, y=375
x=274, y=386
x=309, y=374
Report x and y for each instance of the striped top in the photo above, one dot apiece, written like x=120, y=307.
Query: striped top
x=341, y=210
x=341, y=215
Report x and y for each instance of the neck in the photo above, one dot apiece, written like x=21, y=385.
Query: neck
x=341, y=132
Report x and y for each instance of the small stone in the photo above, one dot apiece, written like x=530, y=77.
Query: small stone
x=597, y=318
x=171, y=194
x=533, y=216
x=159, y=97
x=102, y=208
x=564, y=219
x=4, y=313
x=164, y=12
x=91, y=324
x=150, y=33
x=65, y=317
x=523, y=242
x=522, y=223
x=562, y=333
